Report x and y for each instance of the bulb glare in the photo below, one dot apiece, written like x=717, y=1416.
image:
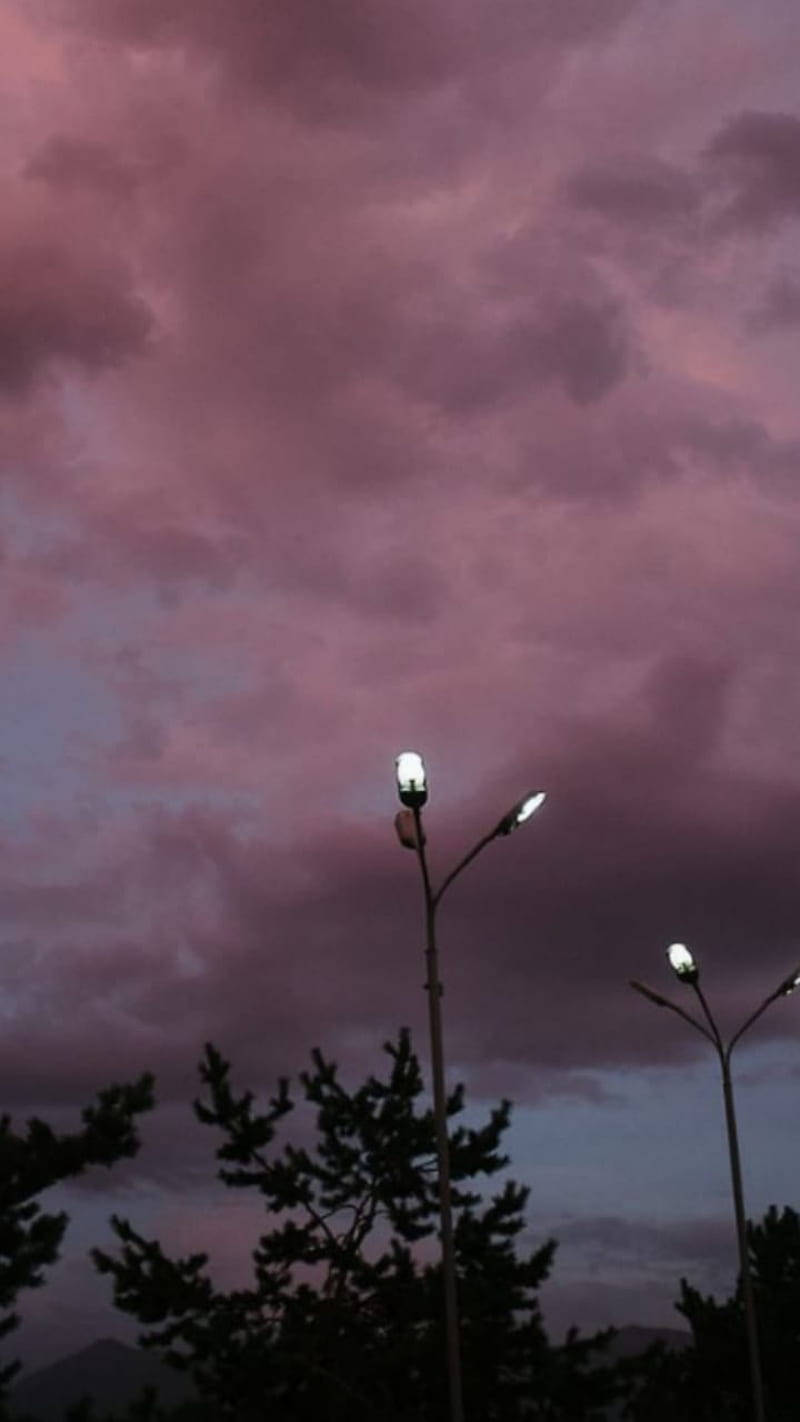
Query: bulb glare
x=529, y=807
x=410, y=769
x=681, y=961
x=412, y=785
x=521, y=812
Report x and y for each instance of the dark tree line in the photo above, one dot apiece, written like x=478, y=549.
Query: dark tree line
x=710, y=1382
x=33, y=1161
x=342, y=1320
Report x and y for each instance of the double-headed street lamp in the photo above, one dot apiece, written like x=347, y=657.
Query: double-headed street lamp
x=412, y=787
x=685, y=968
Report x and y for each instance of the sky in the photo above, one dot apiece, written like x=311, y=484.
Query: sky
x=377, y=377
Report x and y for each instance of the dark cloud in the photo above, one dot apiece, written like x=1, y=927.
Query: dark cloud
x=67, y=162
x=305, y=47
x=58, y=303
x=583, y=345
x=779, y=309
x=600, y=1303
x=586, y=346
x=755, y=162
x=671, y=849
x=709, y=1242
x=120, y=546
x=613, y=1270
x=736, y=445
x=638, y=189
x=687, y=699
x=356, y=58
x=677, y=849
x=449, y=437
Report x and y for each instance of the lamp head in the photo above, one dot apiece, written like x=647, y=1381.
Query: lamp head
x=789, y=984
x=412, y=784
x=682, y=963
x=521, y=812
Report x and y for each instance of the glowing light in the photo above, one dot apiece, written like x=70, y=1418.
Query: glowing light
x=682, y=962
x=530, y=806
x=412, y=785
x=521, y=812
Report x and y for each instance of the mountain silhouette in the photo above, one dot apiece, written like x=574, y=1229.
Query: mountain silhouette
x=113, y=1374
x=634, y=1338
x=110, y=1372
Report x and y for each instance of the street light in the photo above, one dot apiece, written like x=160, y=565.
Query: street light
x=685, y=968
x=682, y=963
x=412, y=782
x=412, y=788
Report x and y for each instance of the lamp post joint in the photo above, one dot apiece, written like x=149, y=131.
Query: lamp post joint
x=412, y=785
x=686, y=970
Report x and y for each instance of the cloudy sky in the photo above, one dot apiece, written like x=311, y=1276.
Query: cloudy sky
x=384, y=375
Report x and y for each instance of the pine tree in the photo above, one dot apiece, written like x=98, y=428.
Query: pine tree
x=32, y=1162
x=344, y=1318
x=710, y=1382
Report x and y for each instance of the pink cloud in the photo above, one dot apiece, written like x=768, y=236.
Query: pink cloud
x=780, y=307
x=68, y=162
x=59, y=303
x=380, y=376
x=638, y=190
x=332, y=66
x=756, y=156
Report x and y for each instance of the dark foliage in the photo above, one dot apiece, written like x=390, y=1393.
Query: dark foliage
x=145, y=1409
x=710, y=1382
x=343, y=1320
x=30, y=1163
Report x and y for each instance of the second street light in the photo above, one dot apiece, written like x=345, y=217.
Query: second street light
x=412, y=788
x=685, y=968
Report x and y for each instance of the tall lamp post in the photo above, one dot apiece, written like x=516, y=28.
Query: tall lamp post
x=412, y=788
x=685, y=968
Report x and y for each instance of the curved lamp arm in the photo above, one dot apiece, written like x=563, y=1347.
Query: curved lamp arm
x=517, y=815
x=673, y=1006
x=718, y=1042
x=786, y=987
x=468, y=858
x=412, y=786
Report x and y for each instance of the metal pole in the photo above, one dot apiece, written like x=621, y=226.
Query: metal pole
x=741, y=1234
x=724, y=1053
x=434, y=989
x=751, y=1327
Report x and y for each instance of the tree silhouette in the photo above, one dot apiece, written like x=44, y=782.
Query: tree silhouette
x=344, y=1317
x=32, y=1162
x=709, y=1382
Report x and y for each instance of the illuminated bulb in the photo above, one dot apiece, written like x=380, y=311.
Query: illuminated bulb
x=682, y=962
x=412, y=785
x=521, y=812
x=529, y=807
